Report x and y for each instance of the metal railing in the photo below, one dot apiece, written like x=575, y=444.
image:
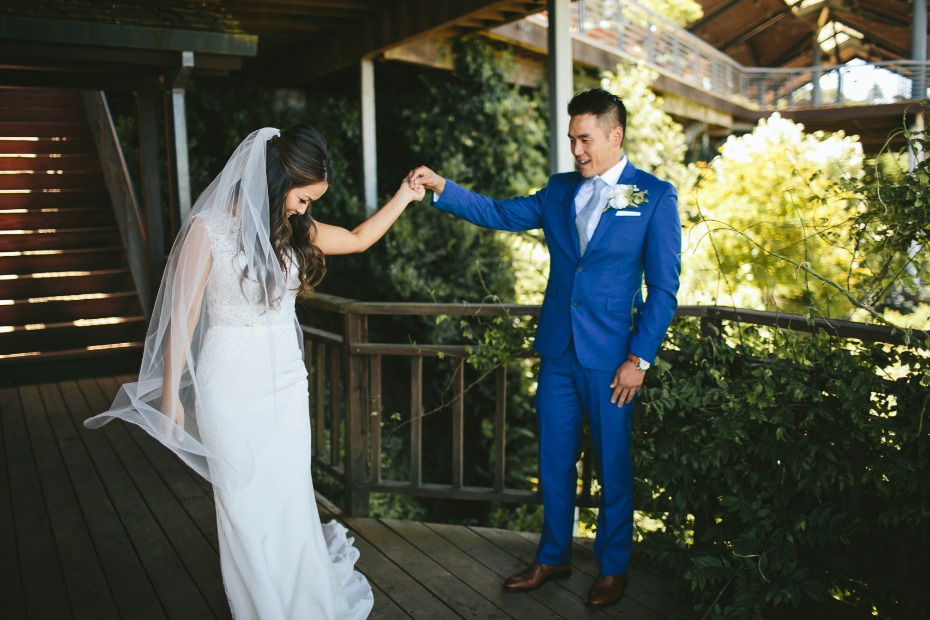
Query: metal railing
x=347, y=408
x=637, y=34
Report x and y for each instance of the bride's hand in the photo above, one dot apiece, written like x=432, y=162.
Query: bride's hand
x=411, y=192
x=173, y=424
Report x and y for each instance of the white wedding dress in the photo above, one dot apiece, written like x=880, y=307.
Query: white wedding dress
x=278, y=562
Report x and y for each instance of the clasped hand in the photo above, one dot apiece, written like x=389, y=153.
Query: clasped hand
x=426, y=178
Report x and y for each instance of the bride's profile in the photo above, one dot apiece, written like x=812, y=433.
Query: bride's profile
x=223, y=383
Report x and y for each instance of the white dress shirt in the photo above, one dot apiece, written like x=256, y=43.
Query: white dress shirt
x=587, y=188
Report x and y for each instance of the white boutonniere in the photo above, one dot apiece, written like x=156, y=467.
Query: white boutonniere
x=625, y=196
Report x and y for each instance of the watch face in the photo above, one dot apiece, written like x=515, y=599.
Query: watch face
x=643, y=364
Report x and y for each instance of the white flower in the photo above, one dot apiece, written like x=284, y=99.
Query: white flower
x=625, y=196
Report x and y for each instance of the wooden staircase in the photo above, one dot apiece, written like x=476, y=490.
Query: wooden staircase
x=68, y=303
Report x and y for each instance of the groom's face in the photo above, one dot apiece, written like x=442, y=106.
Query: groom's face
x=595, y=146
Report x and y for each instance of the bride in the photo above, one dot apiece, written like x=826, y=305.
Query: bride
x=223, y=383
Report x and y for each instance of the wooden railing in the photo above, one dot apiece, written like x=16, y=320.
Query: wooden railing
x=122, y=194
x=346, y=371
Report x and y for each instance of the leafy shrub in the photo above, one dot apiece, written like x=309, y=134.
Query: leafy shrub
x=786, y=467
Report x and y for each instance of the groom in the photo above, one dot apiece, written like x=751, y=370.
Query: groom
x=608, y=227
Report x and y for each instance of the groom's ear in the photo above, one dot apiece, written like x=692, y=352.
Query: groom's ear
x=616, y=135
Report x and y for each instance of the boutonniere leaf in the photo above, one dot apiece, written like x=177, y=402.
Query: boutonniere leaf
x=625, y=197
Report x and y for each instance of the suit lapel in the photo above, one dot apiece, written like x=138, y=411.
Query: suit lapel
x=570, y=216
x=626, y=178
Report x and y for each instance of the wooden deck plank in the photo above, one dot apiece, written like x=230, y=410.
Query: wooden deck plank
x=193, y=492
x=40, y=569
x=436, y=576
x=384, y=608
x=85, y=581
x=565, y=596
x=117, y=505
x=12, y=601
x=643, y=586
x=200, y=559
x=639, y=597
x=499, y=565
x=385, y=563
x=130, y=588
x=172, y=582
x=470, y=572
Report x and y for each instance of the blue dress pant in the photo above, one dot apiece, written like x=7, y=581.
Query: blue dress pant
x=567, y=392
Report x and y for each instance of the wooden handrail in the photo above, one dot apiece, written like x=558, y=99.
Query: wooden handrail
x=122, y=195
x=353, y=366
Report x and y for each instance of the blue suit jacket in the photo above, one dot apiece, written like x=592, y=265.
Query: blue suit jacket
x=596, y=298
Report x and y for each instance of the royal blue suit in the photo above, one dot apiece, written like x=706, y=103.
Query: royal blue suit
x=593, y=316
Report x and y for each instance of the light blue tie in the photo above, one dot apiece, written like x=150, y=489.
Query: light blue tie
x=591, y=209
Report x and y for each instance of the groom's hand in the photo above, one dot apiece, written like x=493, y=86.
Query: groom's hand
x=627, y=381
x=427, y=178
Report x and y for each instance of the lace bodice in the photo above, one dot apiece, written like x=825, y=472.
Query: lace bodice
x=232, y=300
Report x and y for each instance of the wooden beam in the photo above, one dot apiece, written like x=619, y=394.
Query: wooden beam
x=82, y=58
x=741, y=37
x=133, y=37
x=797, y=48
x=403, y=22
x=711, y=16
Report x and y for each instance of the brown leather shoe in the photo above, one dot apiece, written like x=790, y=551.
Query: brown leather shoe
x=606, y=590
x=536, y=575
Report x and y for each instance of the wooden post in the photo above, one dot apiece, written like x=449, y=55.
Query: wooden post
x=458, y=425
x=356, y=416
x=319, y=409
x=416, y=421
x=376, y=418
x=335, y=405
x=500, y=429
x=151, y=185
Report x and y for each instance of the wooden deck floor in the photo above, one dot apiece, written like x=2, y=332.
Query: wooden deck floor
x=108, y=524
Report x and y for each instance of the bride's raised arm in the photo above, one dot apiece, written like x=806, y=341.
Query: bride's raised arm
x=333, y=240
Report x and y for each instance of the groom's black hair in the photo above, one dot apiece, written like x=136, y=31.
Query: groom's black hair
x=601, y=103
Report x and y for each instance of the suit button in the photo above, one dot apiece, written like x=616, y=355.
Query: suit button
x=579, y=269
x=575, y=302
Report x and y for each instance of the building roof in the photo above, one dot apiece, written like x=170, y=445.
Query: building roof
x=780, y=33
x=61, y=42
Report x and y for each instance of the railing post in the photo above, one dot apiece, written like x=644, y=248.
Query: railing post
x=458, y=425
x=356, y=416
x=500, y=430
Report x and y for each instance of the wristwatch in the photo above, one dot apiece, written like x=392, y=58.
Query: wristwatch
x=640, y=363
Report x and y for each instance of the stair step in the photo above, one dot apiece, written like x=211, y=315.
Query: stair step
x=62, y=260
x=63, y=199
x=42, y=111
x=80, y=162
x=43, y=338
x=68, y=308
x=52, y=217
x=44, y=97
x=74, y=144
x=55, y=131
x=59, y=365
x=52, y=283
x=51, y=179
x=59, y=239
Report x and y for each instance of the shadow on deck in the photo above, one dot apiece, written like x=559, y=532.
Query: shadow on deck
x=108, y=524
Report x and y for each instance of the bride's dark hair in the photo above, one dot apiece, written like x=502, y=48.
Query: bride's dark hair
x=298, y=157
